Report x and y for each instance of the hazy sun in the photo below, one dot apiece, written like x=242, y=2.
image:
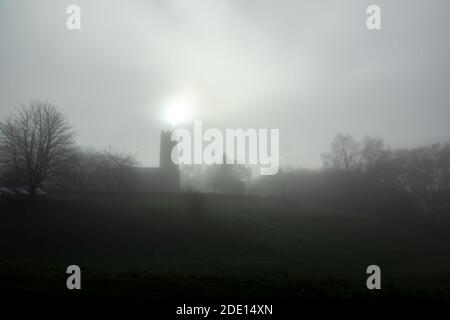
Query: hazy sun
x=178, y=109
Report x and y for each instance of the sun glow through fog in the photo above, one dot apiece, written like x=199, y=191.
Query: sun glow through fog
x=178, y=109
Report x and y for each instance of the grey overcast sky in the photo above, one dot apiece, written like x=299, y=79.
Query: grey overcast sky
x=310, y=68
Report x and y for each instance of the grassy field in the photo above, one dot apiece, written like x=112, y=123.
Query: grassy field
x=238, y=247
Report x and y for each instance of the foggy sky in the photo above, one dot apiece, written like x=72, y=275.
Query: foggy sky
x=309, y=68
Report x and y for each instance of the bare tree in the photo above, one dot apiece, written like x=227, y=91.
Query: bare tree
x=344, y=155
x=36, y=143
x=372, y=151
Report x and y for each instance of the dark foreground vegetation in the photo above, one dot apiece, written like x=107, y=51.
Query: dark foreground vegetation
x=194, y=247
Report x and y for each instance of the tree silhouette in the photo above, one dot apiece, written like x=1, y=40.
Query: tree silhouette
x=36, y=144
x=344, y=154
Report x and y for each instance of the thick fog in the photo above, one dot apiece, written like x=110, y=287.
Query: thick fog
x=310, y=68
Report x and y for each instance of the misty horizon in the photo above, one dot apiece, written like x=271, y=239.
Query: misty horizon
x=311, y=70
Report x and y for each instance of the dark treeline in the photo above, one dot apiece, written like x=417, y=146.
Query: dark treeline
x=408, y=185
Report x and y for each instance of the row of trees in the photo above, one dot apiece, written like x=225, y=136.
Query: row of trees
x=366, y=177
x=348, y=155
x=104, y=170
x=37, y=149
x=418, y=179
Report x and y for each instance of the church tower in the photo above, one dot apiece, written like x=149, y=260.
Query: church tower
x=170, y=173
